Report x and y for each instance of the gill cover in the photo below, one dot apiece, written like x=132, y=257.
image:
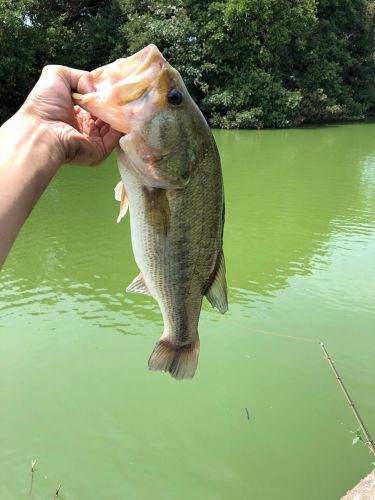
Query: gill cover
x=146, y=99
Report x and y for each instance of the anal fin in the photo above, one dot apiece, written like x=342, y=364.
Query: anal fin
x=138, y=285
x=217, y=293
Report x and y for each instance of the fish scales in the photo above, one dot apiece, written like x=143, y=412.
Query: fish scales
x=178, y=265
x=172, y=184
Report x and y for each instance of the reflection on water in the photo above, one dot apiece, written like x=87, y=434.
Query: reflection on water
x=98, y=305
x=299, y=246
x=301, y=193
x=293, y=197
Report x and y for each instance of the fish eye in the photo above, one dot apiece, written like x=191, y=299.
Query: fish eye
x=175, y=97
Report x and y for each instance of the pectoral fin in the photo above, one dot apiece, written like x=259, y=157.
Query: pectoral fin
x=138, y=285
x=217, y=292
x=157, y=209
x=121, y=196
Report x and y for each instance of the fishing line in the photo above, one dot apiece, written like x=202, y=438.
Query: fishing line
x=366, y=437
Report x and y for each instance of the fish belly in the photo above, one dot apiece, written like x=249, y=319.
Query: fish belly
x=177, y=259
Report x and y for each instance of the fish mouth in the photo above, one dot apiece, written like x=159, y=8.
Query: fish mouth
x=122, y=82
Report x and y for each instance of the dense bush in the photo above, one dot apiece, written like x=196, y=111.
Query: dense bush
x=248, y=63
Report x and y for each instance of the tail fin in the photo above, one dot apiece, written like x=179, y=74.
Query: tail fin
x=180, y=361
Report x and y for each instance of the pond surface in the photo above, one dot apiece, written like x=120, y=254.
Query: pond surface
x=264, y=417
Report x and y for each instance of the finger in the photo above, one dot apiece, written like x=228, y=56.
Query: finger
x=99, y=123
x=111, y=139
x=78, y=111
x=71, y=76
x=78, y=79
x=86, y=123
x=89, y=151
x=104, y=130
x=85, y=84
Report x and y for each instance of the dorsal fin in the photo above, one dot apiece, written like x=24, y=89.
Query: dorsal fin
x=138, y=285
x=217, y=292
x=122, y=197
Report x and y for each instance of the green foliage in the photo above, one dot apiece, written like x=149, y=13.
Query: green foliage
x=257, y=100
x=17, y=55
x=173, y=31
x=339, y=61
x=357, y=436
x=248, y=63
x=76, y=33
x=80, y=34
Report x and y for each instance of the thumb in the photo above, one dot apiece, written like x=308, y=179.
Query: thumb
x=74, y=79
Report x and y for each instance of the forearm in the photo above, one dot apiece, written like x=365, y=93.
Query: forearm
x=29, y=158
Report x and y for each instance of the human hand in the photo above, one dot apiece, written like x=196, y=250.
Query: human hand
x=74, y=134
x=47, y=131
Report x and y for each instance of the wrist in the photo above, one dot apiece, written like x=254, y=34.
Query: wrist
x=29, y=142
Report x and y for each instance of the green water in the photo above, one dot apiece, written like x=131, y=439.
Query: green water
x=75, y=393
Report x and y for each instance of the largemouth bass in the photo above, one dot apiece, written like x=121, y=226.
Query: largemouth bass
x=172, y=184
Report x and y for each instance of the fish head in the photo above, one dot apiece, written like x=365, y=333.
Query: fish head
x=144, y=97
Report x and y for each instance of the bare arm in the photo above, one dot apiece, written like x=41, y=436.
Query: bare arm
x=46, y=132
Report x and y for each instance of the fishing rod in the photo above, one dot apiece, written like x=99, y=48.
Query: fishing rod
x=369, y=442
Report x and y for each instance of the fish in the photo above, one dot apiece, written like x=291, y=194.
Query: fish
x=171, y=184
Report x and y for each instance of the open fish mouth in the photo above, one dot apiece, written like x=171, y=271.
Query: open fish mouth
x=122, y=82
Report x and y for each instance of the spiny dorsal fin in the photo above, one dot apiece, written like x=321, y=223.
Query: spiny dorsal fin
x=138, y=285
x=217, y=292
x=121, y=196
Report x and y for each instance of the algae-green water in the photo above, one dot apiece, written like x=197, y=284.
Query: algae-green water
x=264, y=416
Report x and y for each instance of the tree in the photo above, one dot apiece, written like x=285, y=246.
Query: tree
x=337, y=70
x=80, y=34
x=17, y=53
x=171, y=28
x=248, y=63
